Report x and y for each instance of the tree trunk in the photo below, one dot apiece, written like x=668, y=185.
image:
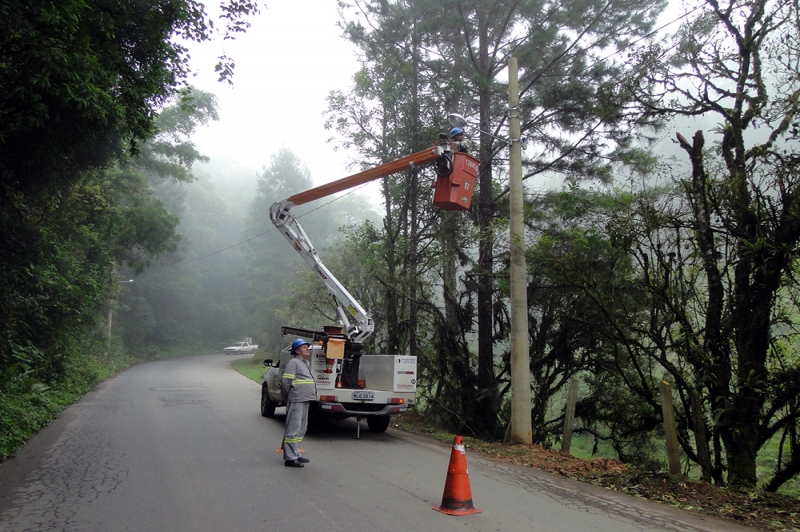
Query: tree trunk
x=486, y=237
x=389, y=294
x=411, y=269
x=487, y=405
x=448, y=262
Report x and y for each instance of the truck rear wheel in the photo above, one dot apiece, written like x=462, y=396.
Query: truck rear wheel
x=378, y=423
x=267, y=405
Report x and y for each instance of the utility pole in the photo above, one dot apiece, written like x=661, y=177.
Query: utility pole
x=520, y=365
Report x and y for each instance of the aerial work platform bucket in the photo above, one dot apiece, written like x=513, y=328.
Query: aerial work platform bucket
x=454, y=192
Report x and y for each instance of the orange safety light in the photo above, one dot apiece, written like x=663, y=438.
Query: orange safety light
x=331, y=398
x=454, y=192
x=396, y=401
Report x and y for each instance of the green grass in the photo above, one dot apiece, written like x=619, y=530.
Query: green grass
x=252, y=368
x=582, y=447
x=765, y=466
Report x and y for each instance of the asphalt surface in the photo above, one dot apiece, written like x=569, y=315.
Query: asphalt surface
x=180, y=445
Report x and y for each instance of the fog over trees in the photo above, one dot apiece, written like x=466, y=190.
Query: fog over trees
x=641, y=268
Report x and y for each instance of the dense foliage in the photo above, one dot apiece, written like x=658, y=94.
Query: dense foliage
x=419, y=66
x=728, y=309
x=80, y=87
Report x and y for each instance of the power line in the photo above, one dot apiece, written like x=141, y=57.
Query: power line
x=636, y=41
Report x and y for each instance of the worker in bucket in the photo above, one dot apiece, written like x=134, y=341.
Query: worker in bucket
x=298, y=389
x=457, y=138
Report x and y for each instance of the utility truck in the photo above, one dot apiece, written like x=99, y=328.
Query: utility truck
x=351, y=383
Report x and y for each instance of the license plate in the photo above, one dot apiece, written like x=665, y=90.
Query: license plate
x=361, y=395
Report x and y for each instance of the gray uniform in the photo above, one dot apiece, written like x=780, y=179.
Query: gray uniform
x=463, y=146
x=297, y=383
x=298, y=386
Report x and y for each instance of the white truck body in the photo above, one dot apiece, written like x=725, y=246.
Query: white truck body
x=389, y=387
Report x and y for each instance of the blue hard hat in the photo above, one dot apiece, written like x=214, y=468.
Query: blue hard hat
x=455, y=131
x=297, y=343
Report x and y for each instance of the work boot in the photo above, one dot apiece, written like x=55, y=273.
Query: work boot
x=303, y=460
x=292, y=463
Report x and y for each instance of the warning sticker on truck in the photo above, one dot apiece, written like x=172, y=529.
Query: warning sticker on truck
x=405, y=374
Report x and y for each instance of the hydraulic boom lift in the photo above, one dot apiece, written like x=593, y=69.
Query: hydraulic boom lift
x=456, y=178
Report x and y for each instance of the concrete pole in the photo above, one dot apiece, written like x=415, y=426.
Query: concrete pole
x=520, y=365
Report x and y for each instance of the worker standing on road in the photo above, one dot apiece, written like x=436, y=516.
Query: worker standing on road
x=298, y=389
x=457, y=138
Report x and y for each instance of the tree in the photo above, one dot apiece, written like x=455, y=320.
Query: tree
x=80, y=86
x=80, y=80
x=389, y=114
x=564, y=106
x=590, y=317
x=571, y=115
x=394, y=109
x=269, y=259
x=738, y=63
x=164, y=306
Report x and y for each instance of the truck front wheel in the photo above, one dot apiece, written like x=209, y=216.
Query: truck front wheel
x=267, y=405
x=378, y=423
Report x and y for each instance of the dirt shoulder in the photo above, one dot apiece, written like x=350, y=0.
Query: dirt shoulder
x=754, y=508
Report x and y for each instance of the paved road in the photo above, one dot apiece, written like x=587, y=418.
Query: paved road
x=180, y=445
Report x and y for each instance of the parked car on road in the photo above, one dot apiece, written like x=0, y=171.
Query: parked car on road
x=241, y=348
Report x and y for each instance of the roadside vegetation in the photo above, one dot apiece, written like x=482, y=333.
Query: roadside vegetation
x=252, y=368
x=27, y=405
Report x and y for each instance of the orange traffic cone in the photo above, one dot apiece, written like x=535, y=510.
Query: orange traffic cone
x=457, y=497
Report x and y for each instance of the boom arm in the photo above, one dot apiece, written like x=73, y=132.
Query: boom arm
x=291, y=229
x=362, y=326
